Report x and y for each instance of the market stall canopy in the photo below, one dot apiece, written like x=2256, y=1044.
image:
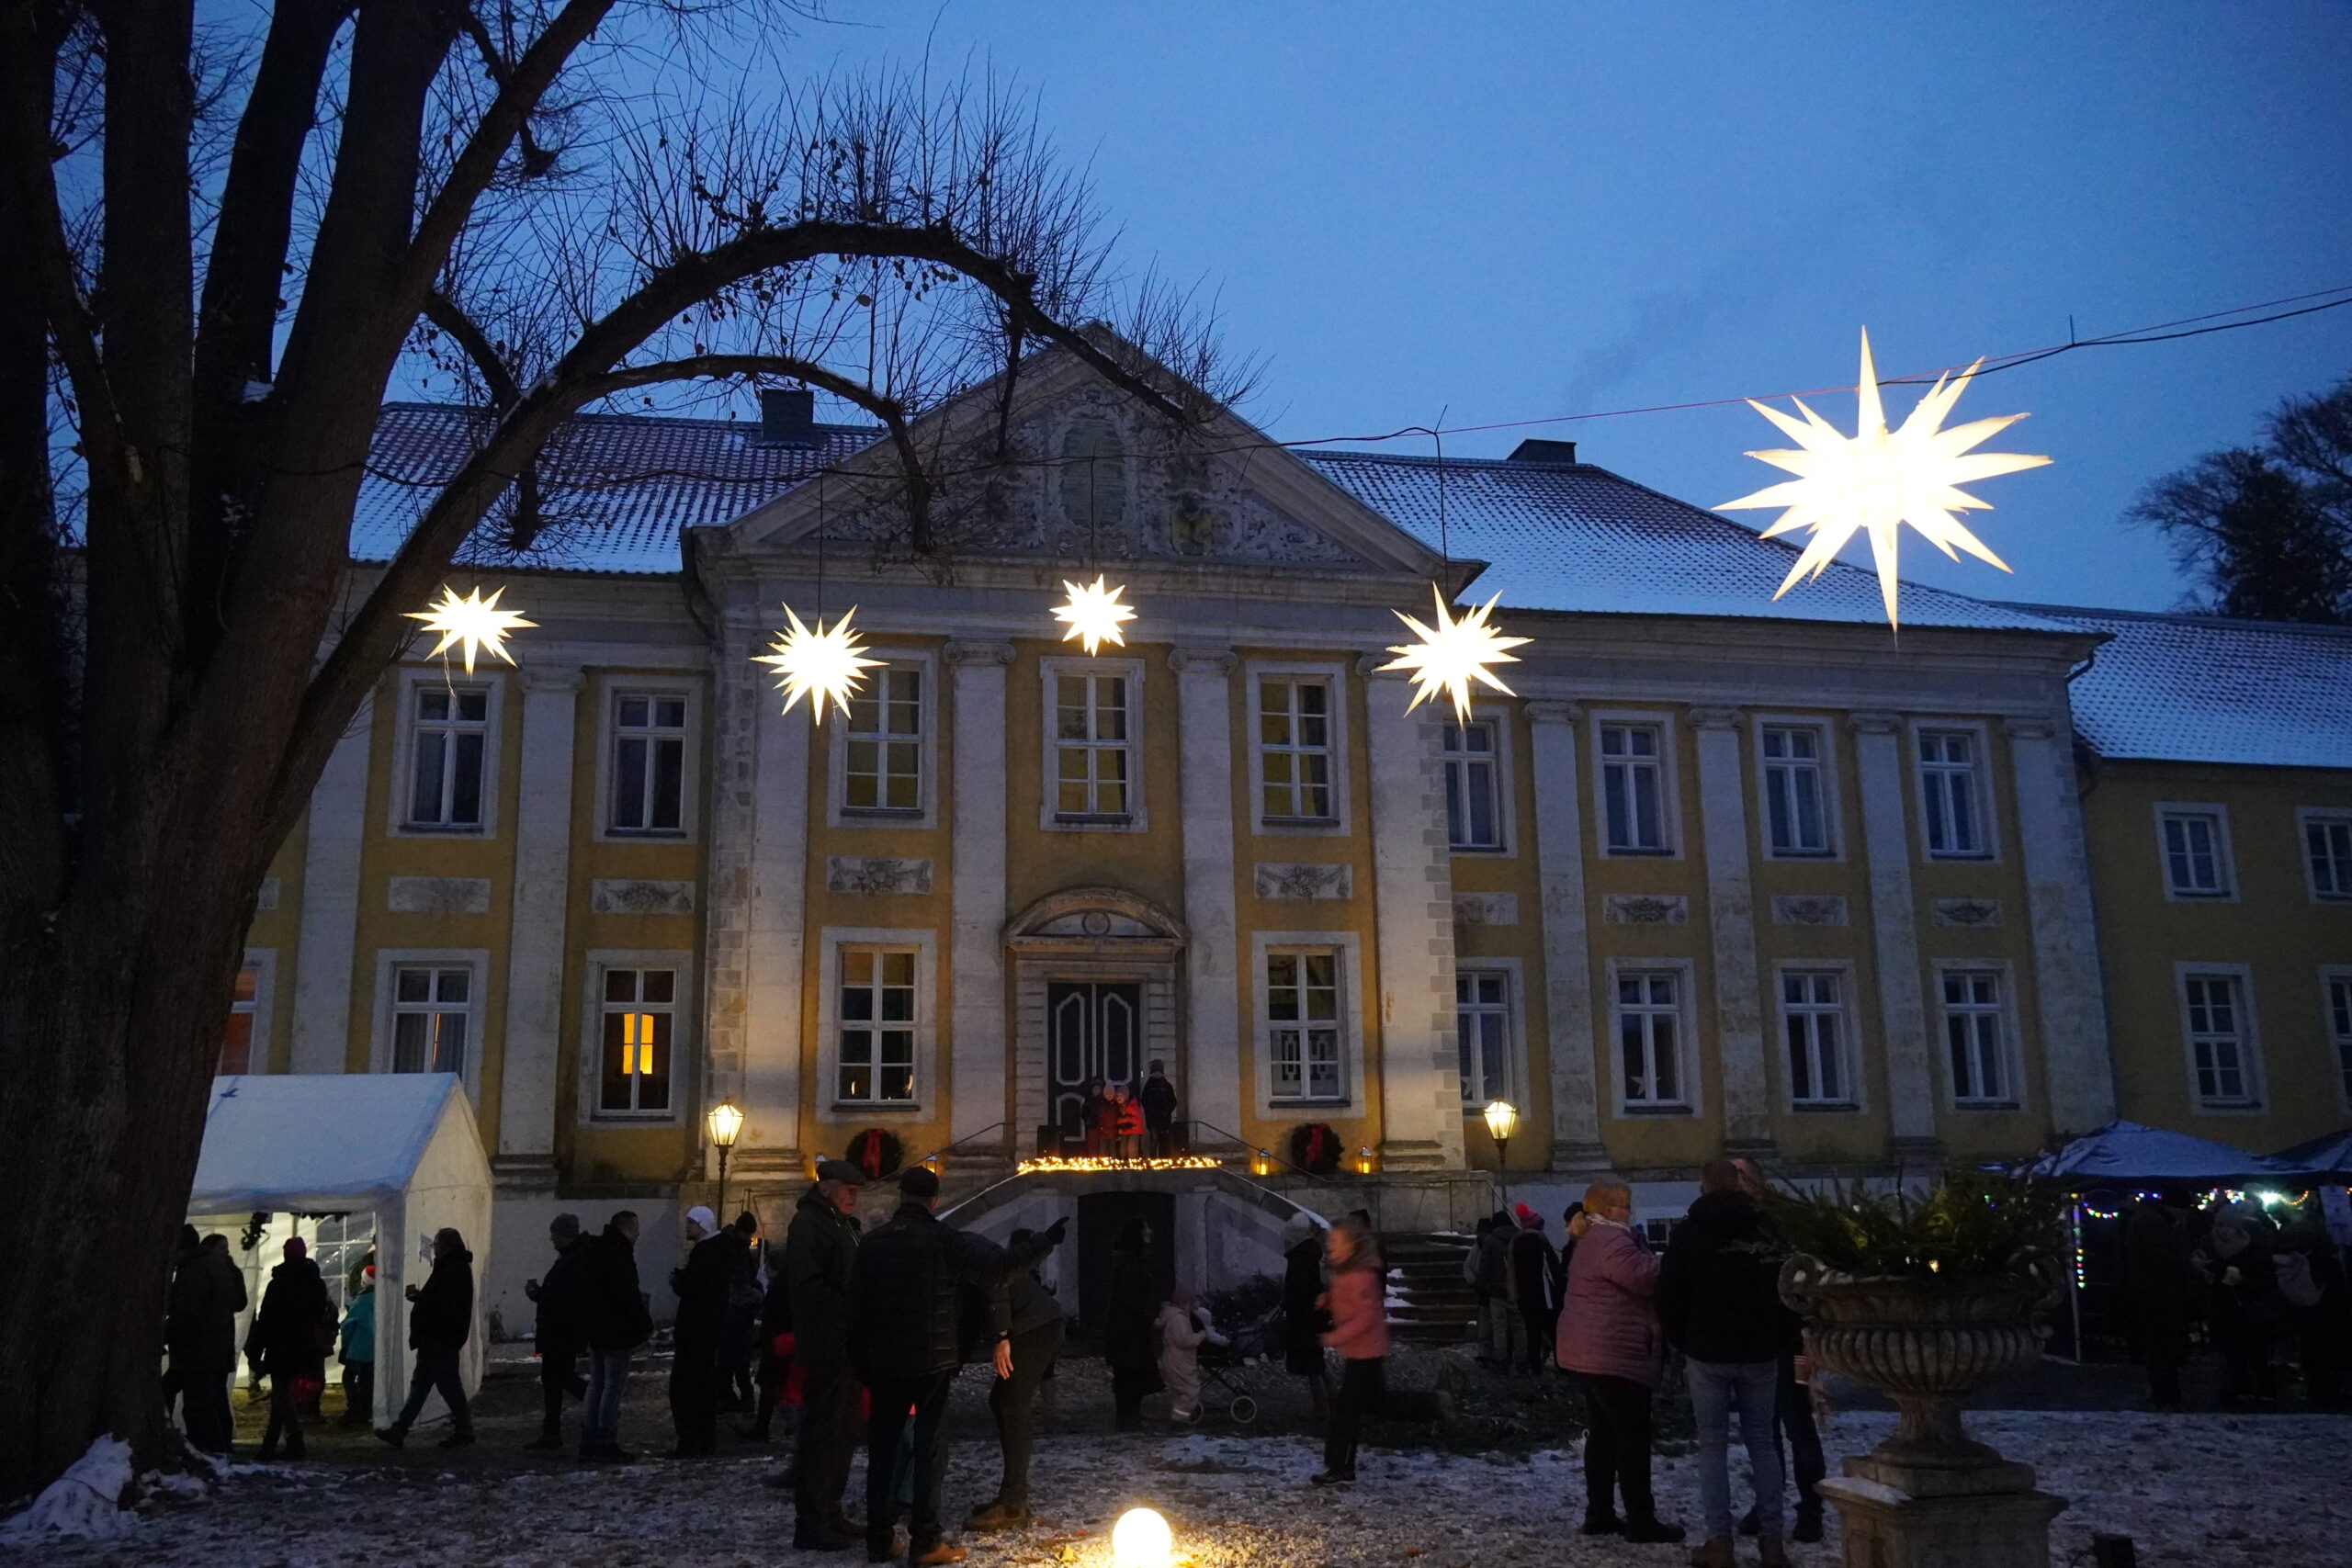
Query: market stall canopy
x=2125, y=1152
x=322, y=1143
x=2324, y=1156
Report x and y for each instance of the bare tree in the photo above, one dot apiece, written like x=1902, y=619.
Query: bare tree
x=2266, y=532
x=226, y=239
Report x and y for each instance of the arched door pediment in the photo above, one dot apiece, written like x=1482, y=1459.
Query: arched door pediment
x=1098, y=919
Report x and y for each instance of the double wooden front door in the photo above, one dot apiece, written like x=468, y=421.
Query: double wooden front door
x=1092, y=1031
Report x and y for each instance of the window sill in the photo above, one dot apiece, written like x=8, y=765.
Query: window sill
x=1654, y=1110
x=1613, y=852
x=1093, y=819
x=1824, y=1107
x=1339, y=1104
x=1478, y=849
x=1973, y=857
x=1986, y=1105
x=2229, y=1107
x=884, y=813
x=1800, y=854
x=1292, y=824
x=659, y=835
x=880, y=1108
x=633, y=1117
x=444, y=829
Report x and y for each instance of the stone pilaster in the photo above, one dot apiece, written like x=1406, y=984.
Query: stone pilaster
x=1895, y=936
x=535, y=947
x=2065, y=936
x=1213, y=1070
x=1567, y=946
x=330, y=924
x=1731, y=928
x=975, y=1010
x=1412, y=873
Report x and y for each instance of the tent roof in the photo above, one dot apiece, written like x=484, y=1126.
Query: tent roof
x=2329, y=1155
x=318, y=1142
x=2126, y=1151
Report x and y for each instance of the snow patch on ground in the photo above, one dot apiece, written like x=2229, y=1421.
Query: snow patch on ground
x=84, y=1504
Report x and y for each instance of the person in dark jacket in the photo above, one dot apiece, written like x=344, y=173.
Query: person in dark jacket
x=558, y=1332
x=1127, y=1341
x=819, y=1249
x=200, y=1331
x=614, y=1320
x=1036, y=1342
x=1157, y=1096
x=440, y=1321
x=1534, y=1277
x=2156, y=1269
x=738, y=1340
x=702, y=1284
x=1302, y=1319
x=1718, y=1298
x=772, y=1320
x=1508, y=1348
x=906, y=1341
x=1791, y=1406
x=288, y=1341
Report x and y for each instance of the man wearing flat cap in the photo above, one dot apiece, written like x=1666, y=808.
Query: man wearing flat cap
x=818, y=1252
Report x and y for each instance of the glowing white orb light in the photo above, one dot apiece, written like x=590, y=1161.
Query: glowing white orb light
x=1141, y=1539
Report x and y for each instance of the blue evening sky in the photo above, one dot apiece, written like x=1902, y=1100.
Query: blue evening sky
x=1513, y=211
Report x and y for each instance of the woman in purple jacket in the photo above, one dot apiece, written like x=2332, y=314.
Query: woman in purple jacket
x=1608, y=1331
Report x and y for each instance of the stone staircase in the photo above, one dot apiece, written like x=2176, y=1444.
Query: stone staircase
x=1439, y=1307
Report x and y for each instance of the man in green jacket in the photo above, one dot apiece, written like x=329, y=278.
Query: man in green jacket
x=818, y=1251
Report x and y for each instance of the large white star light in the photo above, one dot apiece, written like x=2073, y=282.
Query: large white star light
x=1453, y=653
x=474, y=622
x=1879, y=478
x=1093, y=614
x=818, y=664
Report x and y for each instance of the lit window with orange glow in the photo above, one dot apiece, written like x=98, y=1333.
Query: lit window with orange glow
x=639, y=1010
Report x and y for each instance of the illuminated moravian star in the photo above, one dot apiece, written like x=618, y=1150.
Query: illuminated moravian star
x=1453, y=653
x=1095, y=614
x=474, y=622
x=818, y=664
x=1878, y=479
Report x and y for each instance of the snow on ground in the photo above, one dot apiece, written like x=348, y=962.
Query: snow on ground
x=2204, y=1490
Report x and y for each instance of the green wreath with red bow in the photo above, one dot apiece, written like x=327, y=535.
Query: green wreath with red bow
x=878, y=1152
x=1314, y=1148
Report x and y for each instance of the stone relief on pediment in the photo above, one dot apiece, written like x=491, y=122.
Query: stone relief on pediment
x=876, y=875
x=1485, y=908
x=1305, y=880
x=1098, y=923
x=1644, y=909
x=1808, y=909
x=637, y=895
x=1966, y=912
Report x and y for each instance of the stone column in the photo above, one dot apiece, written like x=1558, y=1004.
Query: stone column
x=2065, y=936
x=976, y=1044
x=1731, y=926
x=1212, y=1086
x=330, y=923
x=771, y=754
x=1568, y=946
x=1412, y=876
x=535, y=944
x=1894, y=933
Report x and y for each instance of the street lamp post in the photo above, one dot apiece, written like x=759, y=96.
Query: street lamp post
x=1502, y=1120
x=726, y=1124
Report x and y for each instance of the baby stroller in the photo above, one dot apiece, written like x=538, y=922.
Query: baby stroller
x=1219, y=1362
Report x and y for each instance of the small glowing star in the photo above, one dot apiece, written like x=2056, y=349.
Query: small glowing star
x=818, y=664
x=1095, y=614
x=473, y=621
x=1453, y=653
x=1878, y=480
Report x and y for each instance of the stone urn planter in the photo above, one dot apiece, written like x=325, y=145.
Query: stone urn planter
x=1929, y=1495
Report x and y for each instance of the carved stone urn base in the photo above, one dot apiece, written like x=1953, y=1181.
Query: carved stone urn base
x=1885, y=1527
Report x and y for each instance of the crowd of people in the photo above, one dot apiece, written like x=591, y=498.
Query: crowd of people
x=2253, y=1289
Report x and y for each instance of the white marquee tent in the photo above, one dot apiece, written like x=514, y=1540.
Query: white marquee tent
x=402, y=1146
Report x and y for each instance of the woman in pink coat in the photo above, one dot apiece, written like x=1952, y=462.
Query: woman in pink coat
x=1357, y=1300
x=1609, y=1332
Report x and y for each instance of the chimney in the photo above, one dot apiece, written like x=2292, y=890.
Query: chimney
x=1544, y=452
x=787, y=416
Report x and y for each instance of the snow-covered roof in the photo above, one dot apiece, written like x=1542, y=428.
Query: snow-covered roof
x=2206, y=689
x=319, y=1143
x=617, y=488
x=1574, y=537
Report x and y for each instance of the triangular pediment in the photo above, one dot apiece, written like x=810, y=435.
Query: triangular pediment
x=1092, y=478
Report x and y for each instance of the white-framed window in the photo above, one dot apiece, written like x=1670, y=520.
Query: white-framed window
x=1093, y=743
x=873, y=1057
x=636, y=1040
x=1302, y=1024
x=1298, y=740
x=1952, y=806
x=1482, y=1028
x=1648, y=1014
x=1976, y=1036
x=2335, y=987
x=883, y=747
x=432, y=1017
x=1812, y=1027
x=447, y=784
x=646, y=794
x=1798, y=789
x=244, y=1037
x=1635, y=784
x=2217, y=1024
x=1474, y=786
x=2193, y=843
x=2328, y=854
